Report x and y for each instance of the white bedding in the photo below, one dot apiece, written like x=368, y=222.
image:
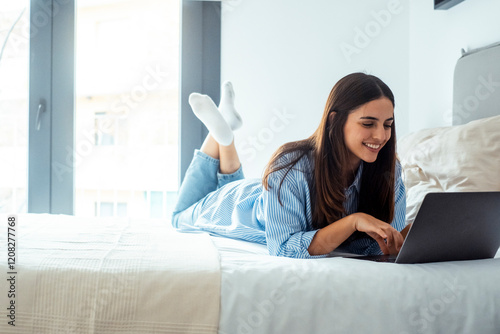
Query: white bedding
x=120, y=276
x=78, y=275
x=265, y=294
x=456, y=158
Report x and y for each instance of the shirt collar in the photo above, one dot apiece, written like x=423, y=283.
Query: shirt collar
x=356, y=184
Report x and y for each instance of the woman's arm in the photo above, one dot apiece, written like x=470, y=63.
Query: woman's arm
x=330, y=237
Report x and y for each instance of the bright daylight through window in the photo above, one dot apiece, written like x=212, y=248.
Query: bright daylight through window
x=126, y=137
x=14, y=79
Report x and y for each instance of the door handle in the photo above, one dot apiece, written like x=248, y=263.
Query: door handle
x=41, y=109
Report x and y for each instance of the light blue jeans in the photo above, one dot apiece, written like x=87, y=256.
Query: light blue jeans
x=202, y=177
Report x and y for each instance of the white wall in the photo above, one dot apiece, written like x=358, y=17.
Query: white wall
x=436, y=38
x=284, y=56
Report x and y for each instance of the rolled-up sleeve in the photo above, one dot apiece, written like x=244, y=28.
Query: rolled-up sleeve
x=288, y=228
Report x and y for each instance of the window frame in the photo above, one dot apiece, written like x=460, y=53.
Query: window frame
x=50, y=161
x=200, y=70
x=52, y=94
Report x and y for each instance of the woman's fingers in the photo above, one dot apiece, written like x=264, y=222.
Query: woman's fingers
x=394, y=242
x=388, y=238
x=398, y=240
x=381, y=242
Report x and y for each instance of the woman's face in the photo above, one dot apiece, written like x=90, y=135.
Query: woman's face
x=368, y=129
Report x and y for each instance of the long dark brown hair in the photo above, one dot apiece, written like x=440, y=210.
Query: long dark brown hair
x=330, y=156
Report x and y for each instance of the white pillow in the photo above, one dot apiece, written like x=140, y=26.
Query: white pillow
x=457, y=158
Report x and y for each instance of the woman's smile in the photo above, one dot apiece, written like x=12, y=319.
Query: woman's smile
x=373, y=147
x=368, y=129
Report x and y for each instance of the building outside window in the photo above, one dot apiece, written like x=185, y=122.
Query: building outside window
x=127, y=73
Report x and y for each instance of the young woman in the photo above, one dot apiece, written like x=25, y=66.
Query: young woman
x=340, y=189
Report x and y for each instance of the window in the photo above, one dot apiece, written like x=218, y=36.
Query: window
x=104, y=100
x=14, y=78
x=127, y=74
x=110, y=209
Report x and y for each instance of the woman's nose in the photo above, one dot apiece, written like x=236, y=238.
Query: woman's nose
x=379, y=133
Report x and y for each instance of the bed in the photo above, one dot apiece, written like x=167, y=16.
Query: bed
x=79, y=275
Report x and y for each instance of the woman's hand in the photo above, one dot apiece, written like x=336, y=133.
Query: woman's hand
x=387, y=237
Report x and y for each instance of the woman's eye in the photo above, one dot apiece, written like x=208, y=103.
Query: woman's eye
x=369, y=125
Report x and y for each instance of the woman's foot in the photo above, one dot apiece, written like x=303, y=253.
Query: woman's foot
x=206, y=110
x=226, y=106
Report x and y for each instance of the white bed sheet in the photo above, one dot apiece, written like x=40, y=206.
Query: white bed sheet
x=265, y=294
x=123, y=276
x=80, y=275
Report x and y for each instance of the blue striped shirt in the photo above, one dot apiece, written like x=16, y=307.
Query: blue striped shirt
x=244, y=210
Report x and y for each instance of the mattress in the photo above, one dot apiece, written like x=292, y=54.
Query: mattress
x=79, y=275
x=265, y=294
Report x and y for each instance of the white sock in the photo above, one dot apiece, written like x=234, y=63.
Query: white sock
x=206, y=110
x=226, y=106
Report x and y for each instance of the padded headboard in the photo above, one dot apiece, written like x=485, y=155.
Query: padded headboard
x=476, y=85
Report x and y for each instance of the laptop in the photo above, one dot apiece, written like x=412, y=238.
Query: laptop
x=451, y=226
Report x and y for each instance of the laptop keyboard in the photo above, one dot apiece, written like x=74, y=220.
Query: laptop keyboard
x=378, y=258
